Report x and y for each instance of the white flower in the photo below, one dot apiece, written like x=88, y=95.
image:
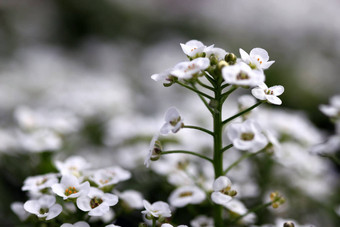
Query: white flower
x=257, y=59
x=155, y=150
x=162, y=76
x=169, y=225
x=222, y=191
x=18, y=209
x=132, y=198
x=332, y=145
x=262, y=92
x=37, y=183
x=157, y=209
x=40, y=140
x=69, y=187
x=241, y=74
x=186, y=69
x=217, y=52
x=44, y=207
x=238, y=207
x=185, y=195
x=96, y=202
x=247, y=136
x=73, y=165
x=109, y=176
x=202, y=221
x=193, y=48
x=332, y=110
x=77, y=224
x=173, y=121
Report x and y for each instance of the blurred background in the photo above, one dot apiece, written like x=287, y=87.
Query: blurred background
x=93, y=60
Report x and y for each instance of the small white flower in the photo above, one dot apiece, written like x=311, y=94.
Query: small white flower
x=238, y=207
x=262, y=92
x=257, y=58
x=109, y=176
x=247, y=136
x=44, y=207
x=202, y=221
x=40, y=140
x=18, y=209
x=132, y=198
x=241, y=74
x=185, y=195
x=162, y=76
x=193, y=48
x=77, y=224
x=186, y=69
x=73, y=165
x=37, y=183
x=173, y=121
x=155, y=150
x=69, y=187
x=157, y=209
x=112, y=225
x=332, y=110
x=217, y=52
x=222, y=191
x=96, y=202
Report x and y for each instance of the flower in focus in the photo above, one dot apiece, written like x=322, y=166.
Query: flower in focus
x=202, y=221
x=44, y=207
x=241, y=74
x=109, y=176
x=262, y=92
x=173, y=122
x=256, y=59
x=222, y=191
x=69, y=187
x=185, y=195
x=193, y=48
x=77, y=224
x=247, y=136
x=158, y=209
x=73, y=165
x=96, y=202
x=186, y=69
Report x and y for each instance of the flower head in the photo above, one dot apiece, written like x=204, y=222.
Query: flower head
x=241, y=74
x=194, y=48
x=332, y=110
x=222, y=190
x=186, y=69
x=109, y=176
x=157, y=209
x=262, y=92
x=185, y=195
x=173, y=121
x=70, y=187
x=201, y=221
x=44, y=207
x=256, y=59
x=247, y=136
x=37, y=183
x=73, y=165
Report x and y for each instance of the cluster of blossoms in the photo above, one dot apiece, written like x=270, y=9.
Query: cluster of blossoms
x=77, y=186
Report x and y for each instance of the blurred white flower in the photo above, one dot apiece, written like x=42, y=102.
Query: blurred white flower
x=169, y=225
x=186, y=69
x=132, y=198
x=96, y=202
x=70, y=187
x=245, y=101
x=161, y=76
x=219, y=53
x=18, y=209
x=44, y=207
x=35, y=184
x=279, y=222
x=256, y=59
x=262, y=92
x=332, y=145
x=185, y=195
x=222, y=191
x=73, y=165
x=173, y=122
x=40, y=140
x=157, y=209
x=77, y=224
x=241, y=74
x=112, y=225
x=202, y=221
x=155, y=150
x=109, y=176
x=332, y=110
x=238, y=207
x=193, y=48
x=247, y=136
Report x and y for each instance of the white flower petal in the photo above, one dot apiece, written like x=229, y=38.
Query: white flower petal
x=54, y=211
x=259, y=52
x=258, y=93
x=277, y=90
x=274, y=100
x=220, y=198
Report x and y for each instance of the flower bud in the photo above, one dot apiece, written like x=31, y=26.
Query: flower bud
x=157, y=151
x=213, y=60
x=230, y=58
x=221, y=64
x=288, y=224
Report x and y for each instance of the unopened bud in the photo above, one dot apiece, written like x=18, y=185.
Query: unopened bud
x=288, y=224
x=222, y=64
x=275, y=205
x=230, y=58
x=213, y=60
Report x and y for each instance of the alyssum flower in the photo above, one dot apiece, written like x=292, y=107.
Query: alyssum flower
x=158, y=209
x=256, y=59
x=187, y=69
x=185, y=195
x=44, y=207
x=222, y=191
x=194, y=48
x=70, y=187
x=173, y=121
x=262, y=92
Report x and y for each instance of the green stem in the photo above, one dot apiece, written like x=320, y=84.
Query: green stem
x=211, y=80
x=199, y=128
x=194, y=90
x=227, y=147
x=241, y=113
x=224, y=86
x=153, y=222
x=247, y=155
x=204, y=85
x=187, y=152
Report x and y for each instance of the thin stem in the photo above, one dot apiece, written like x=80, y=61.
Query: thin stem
x=199, y=128
x=204, y=85
x=194, y=90
x=227, y=93
x=187, y=152
x=261, y=206
x=224, y=86
x=241, y=113
x=211, y=80
x=153, y=222
x=246, y=155
x=227, y=147
x=204, y=101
